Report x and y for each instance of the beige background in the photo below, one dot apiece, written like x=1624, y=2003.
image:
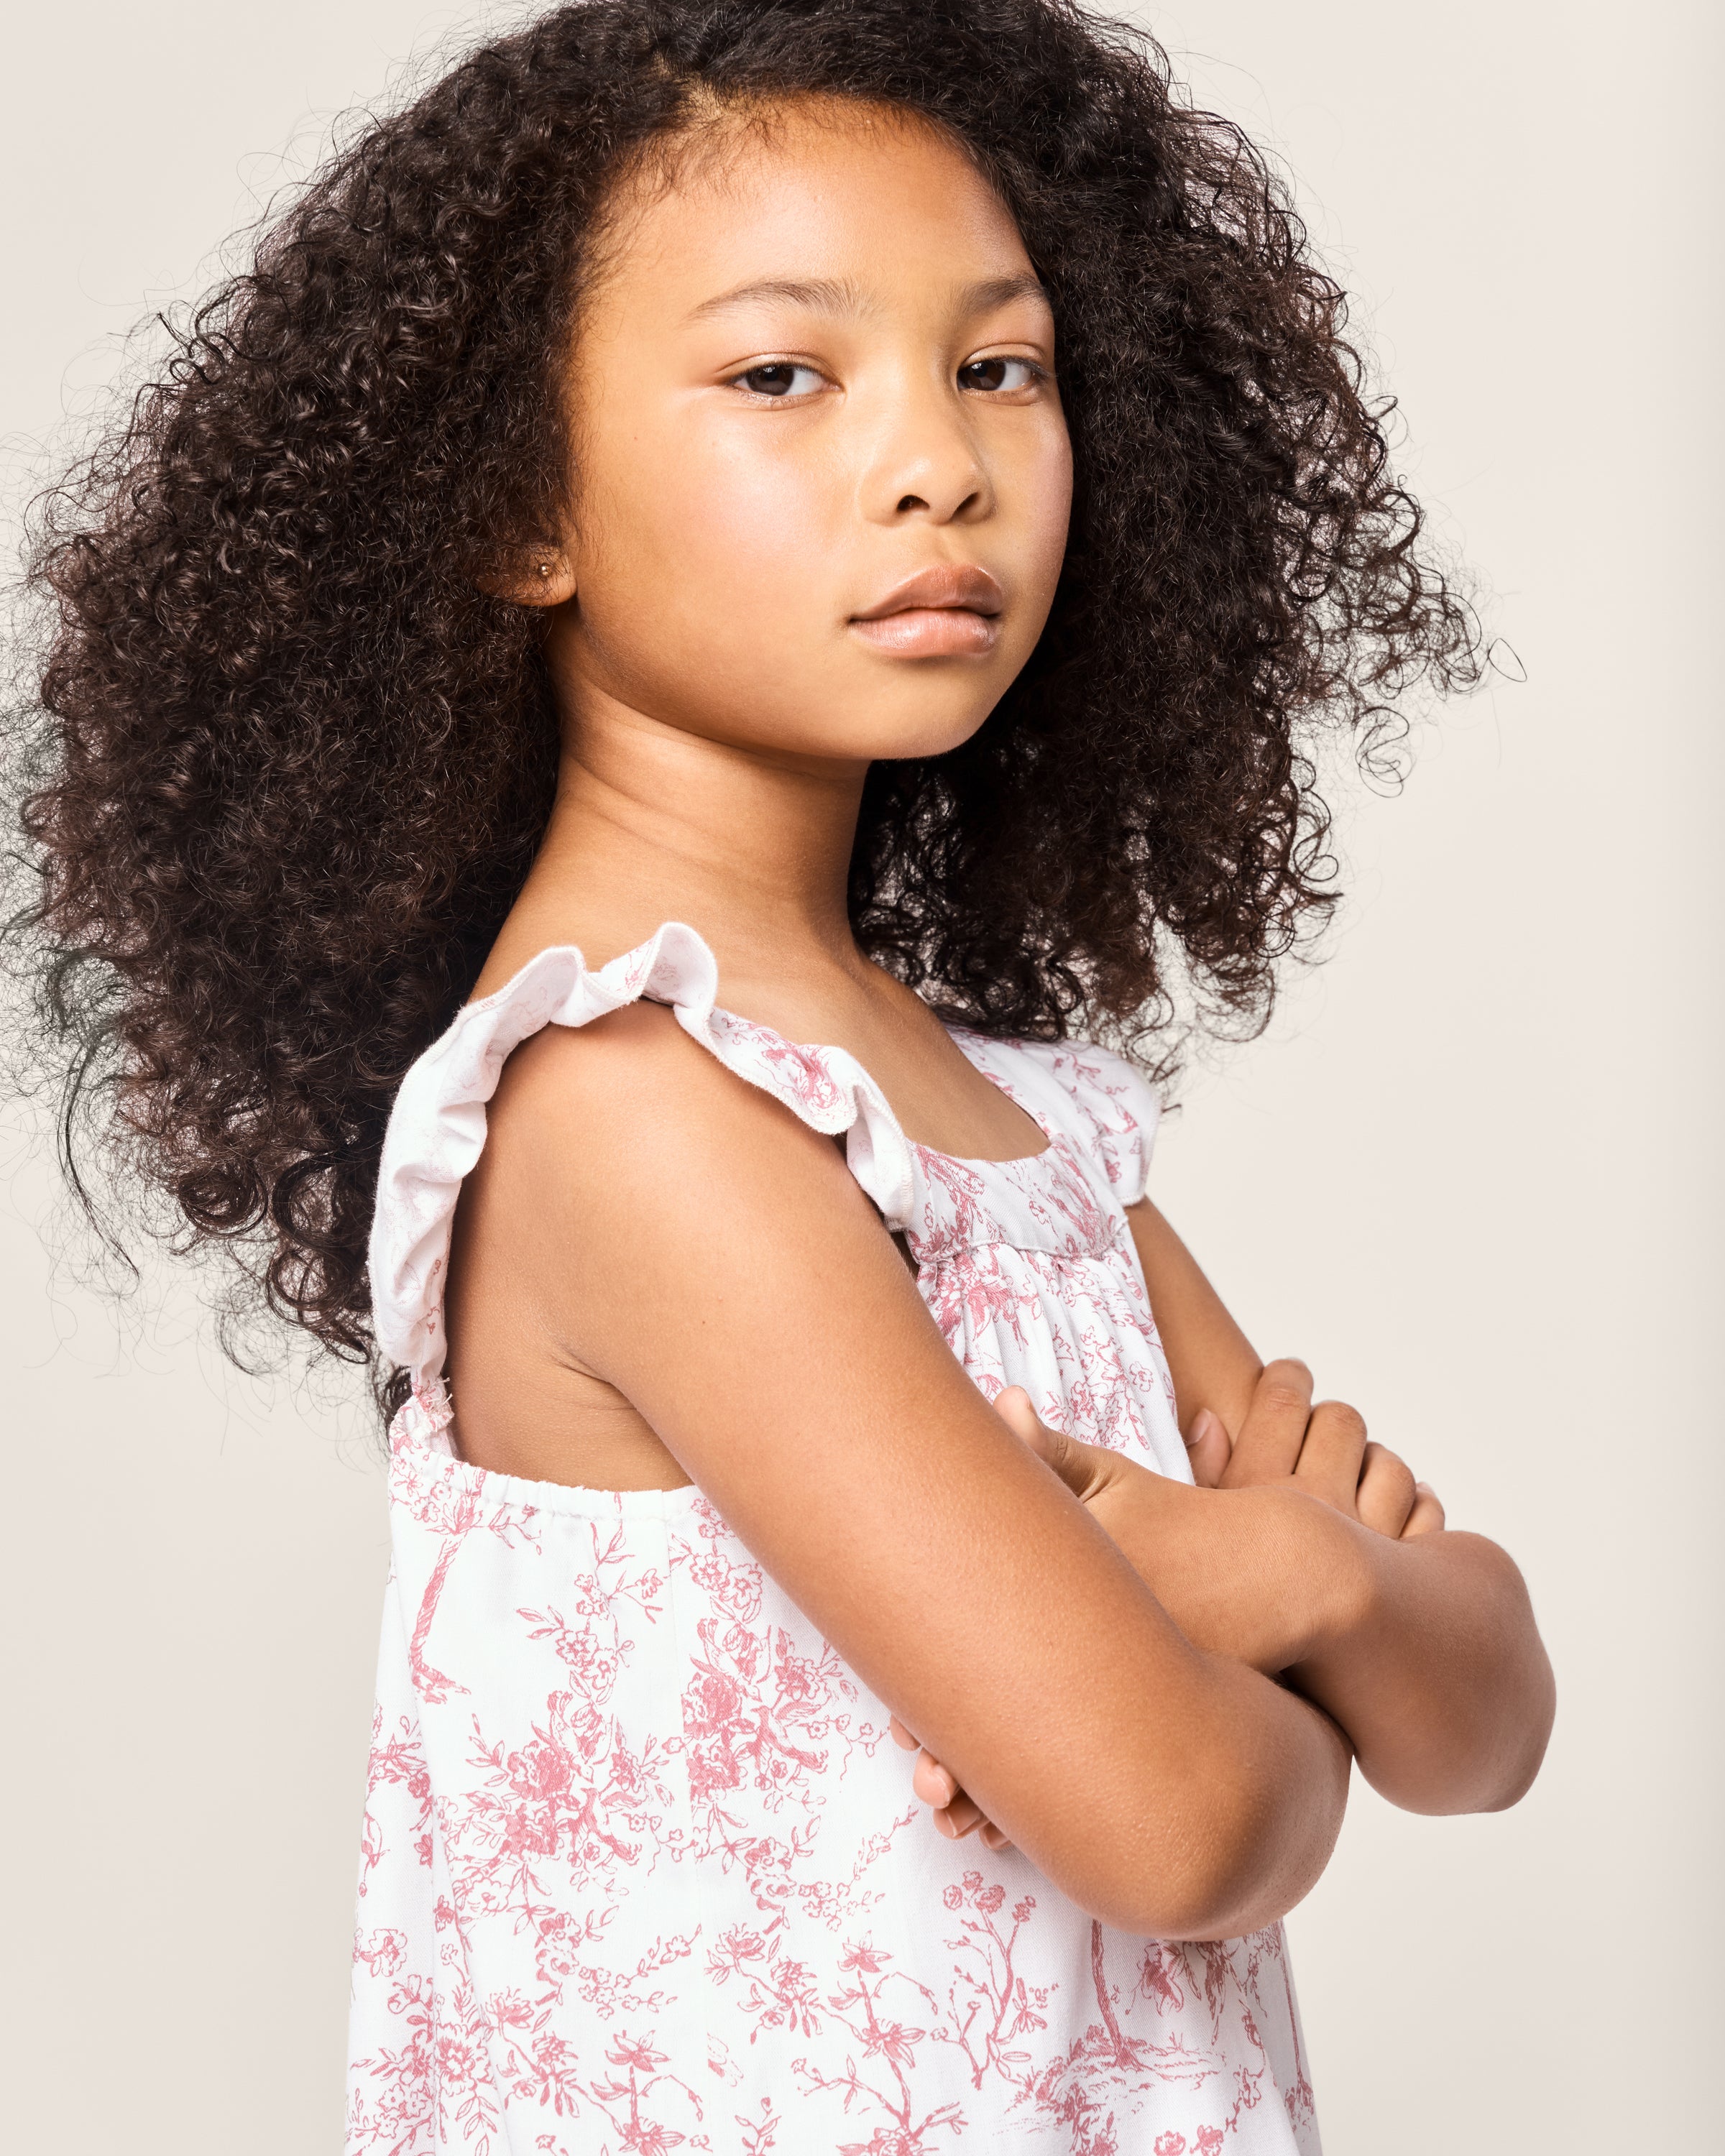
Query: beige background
x=1472, y=1176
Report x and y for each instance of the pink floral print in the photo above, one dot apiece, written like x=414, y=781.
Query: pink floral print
x=641, y=1870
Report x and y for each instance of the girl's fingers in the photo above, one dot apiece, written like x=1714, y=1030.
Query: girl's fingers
x=1068, y=1456
x=1332, y=1457
x=959, y=1818
x=901, y=1736
x=1014, y=1408
x=1386, y=1492
x=1427, y=1516
x=1208, y=1447
x=934, y=1784
x=1268, y=1447
x=954, y=1813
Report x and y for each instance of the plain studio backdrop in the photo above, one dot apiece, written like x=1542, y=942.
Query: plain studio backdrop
x=1470, y=1175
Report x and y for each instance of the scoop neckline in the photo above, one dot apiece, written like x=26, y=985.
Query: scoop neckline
x=981, y=1160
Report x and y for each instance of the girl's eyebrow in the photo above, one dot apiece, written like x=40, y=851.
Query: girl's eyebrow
x=834, y=295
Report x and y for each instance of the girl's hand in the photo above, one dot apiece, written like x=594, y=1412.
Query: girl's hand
x=1323, y=1451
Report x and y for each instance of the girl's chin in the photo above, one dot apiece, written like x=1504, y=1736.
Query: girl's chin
x=915, y=738
x=857, y=711
x=861, y=737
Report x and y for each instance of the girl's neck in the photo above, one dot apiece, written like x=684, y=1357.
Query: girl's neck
x=653, y=823
x=752, y=848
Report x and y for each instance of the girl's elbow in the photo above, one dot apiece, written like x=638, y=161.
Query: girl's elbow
x=1260, y=1864
x=1238, y=1857
x=1527, y=1752
x=1485, y=1761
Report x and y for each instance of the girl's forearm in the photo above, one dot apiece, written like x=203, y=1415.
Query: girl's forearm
x=1438, y=1675
x=1210, y=1809
x=1425, y=1651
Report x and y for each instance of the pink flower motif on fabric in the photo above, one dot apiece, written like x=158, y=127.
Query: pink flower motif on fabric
x=798, y=1076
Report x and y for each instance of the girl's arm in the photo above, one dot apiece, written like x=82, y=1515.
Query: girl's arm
x=681, y=1236
x=1437, y=1674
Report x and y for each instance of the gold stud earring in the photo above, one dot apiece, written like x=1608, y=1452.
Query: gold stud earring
x=545, y=568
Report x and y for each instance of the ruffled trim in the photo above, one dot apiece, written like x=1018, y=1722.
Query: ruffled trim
x=1117, y=1109
x=437, y=1126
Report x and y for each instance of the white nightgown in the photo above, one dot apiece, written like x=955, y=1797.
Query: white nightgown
x=642, y=1868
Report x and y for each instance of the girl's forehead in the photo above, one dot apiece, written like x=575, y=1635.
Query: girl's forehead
x=804, y=178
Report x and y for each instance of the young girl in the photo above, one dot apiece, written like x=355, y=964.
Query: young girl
x=735, y=583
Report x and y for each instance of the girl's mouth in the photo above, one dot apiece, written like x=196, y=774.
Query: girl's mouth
x=941, y=612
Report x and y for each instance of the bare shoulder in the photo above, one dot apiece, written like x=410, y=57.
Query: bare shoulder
x=627, y=1130
x=563, y=1066
x=632, y=1095
x=633, y=1192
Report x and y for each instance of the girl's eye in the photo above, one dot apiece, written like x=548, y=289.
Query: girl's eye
x=997, y=374
x=779, y=377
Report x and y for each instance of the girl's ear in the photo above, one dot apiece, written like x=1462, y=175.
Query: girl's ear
x=539, y=577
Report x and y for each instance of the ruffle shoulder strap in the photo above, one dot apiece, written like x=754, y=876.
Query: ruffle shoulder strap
x=437, y=1126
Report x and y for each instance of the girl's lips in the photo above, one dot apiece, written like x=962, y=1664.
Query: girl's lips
x=944, y=612
x=930, y=632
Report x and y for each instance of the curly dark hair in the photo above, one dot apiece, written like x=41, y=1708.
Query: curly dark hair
x=289, y=763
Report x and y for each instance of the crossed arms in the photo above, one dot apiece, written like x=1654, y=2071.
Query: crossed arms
x=1098, y=1671
x=1419, y=1643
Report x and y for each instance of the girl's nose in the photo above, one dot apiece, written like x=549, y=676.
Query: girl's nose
x=926, y=465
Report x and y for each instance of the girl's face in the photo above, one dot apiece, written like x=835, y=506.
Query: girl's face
x=823, y=476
